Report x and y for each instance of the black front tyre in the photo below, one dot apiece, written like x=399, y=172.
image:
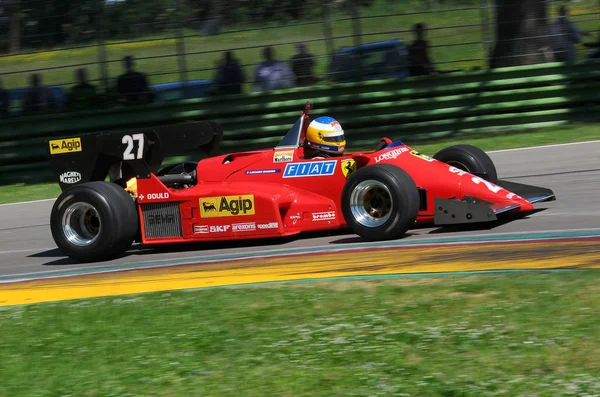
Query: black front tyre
x=94, y=221
x=469, y=158
x=380, y=202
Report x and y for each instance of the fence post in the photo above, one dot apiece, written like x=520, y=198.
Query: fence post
x=180, y=44
x=484, y=7
x=327, y=32
x=357, y=36
x=102, y=61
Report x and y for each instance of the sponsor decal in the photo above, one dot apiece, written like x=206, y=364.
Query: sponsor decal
x=60, y=146
x=200, y=229
x=477, y=180
x=158, y=219
x=262, y=172
x=392, y=154
x=283, y=156
x=272, y=225
x=323, y=216
x=154, y=196
x=348, y=167
x=244, y=227
x=312, y=168
x=421, y=156
x=70, y=177
x=213, y=207
x=219, y=228
x=295, y=218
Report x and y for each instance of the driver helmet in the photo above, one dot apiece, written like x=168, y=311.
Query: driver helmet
x=325, y=134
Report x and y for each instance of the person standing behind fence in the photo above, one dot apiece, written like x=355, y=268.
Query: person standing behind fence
x=272, y=74
x=565, y=35
x=596, y=44
x=230, y=76
x=37, y=98
x=418, y=53
x=303, y=63
x=83, y=95
x=132, y=86
x=4, y=101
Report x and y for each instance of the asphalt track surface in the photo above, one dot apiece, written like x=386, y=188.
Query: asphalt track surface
x=571, y=170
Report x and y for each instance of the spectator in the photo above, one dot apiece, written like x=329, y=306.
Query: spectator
x=37, y=98
x=4, y=101
x=272, y=74
x=594, y=54
x=230, y=76
x=132, y=86
x=303, y=63
x=418, y=53
x=83, y=95
x=564, y=37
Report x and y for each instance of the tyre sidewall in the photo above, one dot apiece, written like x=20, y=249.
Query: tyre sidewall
x=405, y=201
x=117, y=214
x=473, y=158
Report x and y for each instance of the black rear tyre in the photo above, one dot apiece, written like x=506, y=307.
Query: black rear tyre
x=469, y=158
x=380, y=202
x=94, y=221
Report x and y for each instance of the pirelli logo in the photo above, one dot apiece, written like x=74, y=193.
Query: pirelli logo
x=60, y=146
x=213, y=207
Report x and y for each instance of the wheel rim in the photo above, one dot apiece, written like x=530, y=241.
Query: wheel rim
x=458, y=165
x=81, y=224
x=371, y=203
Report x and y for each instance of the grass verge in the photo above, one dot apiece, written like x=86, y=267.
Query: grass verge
x=564, y=134
x=501, y=335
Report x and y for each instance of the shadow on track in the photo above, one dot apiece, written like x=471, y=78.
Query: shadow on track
x=503, y=220
x=141, y=251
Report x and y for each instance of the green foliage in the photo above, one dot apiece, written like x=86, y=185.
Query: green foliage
x=487, y=335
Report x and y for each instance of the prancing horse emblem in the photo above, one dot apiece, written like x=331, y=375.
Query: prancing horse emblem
x=348, y=167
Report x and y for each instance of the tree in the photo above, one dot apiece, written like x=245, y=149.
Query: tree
x=522, y=33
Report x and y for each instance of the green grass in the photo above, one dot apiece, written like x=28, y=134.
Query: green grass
x=564, y=134
x=444, y=40
x=487, y=335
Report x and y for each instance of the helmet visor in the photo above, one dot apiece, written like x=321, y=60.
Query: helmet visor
x=337, y=138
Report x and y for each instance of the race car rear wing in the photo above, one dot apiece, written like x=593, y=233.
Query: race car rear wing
x=137, y=152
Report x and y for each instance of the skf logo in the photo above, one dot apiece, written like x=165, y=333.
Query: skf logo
x=60, y=146
x=348, y=167
x=213, y=207
x=219, y=228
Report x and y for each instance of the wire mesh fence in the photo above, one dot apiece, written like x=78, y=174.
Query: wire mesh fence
x=181, y=48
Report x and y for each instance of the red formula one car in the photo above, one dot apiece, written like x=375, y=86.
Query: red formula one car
x=267, y=193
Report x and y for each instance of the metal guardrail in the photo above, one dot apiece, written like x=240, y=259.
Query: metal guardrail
x=410, y=109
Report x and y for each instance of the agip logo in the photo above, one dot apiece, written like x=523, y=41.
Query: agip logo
x=60, y=146
x=214, y=207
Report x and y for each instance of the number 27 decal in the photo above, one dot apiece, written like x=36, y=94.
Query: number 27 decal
x=128, y=140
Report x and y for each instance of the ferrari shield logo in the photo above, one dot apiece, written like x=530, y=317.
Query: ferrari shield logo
x=348, y=167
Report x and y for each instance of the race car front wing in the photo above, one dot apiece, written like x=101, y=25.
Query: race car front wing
x=474, y=210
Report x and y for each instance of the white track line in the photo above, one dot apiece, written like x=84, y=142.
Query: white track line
x=542, y=147
x=27, y=202
x=26, y=250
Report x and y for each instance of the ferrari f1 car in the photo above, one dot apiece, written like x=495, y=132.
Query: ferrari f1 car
x=258, y=194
